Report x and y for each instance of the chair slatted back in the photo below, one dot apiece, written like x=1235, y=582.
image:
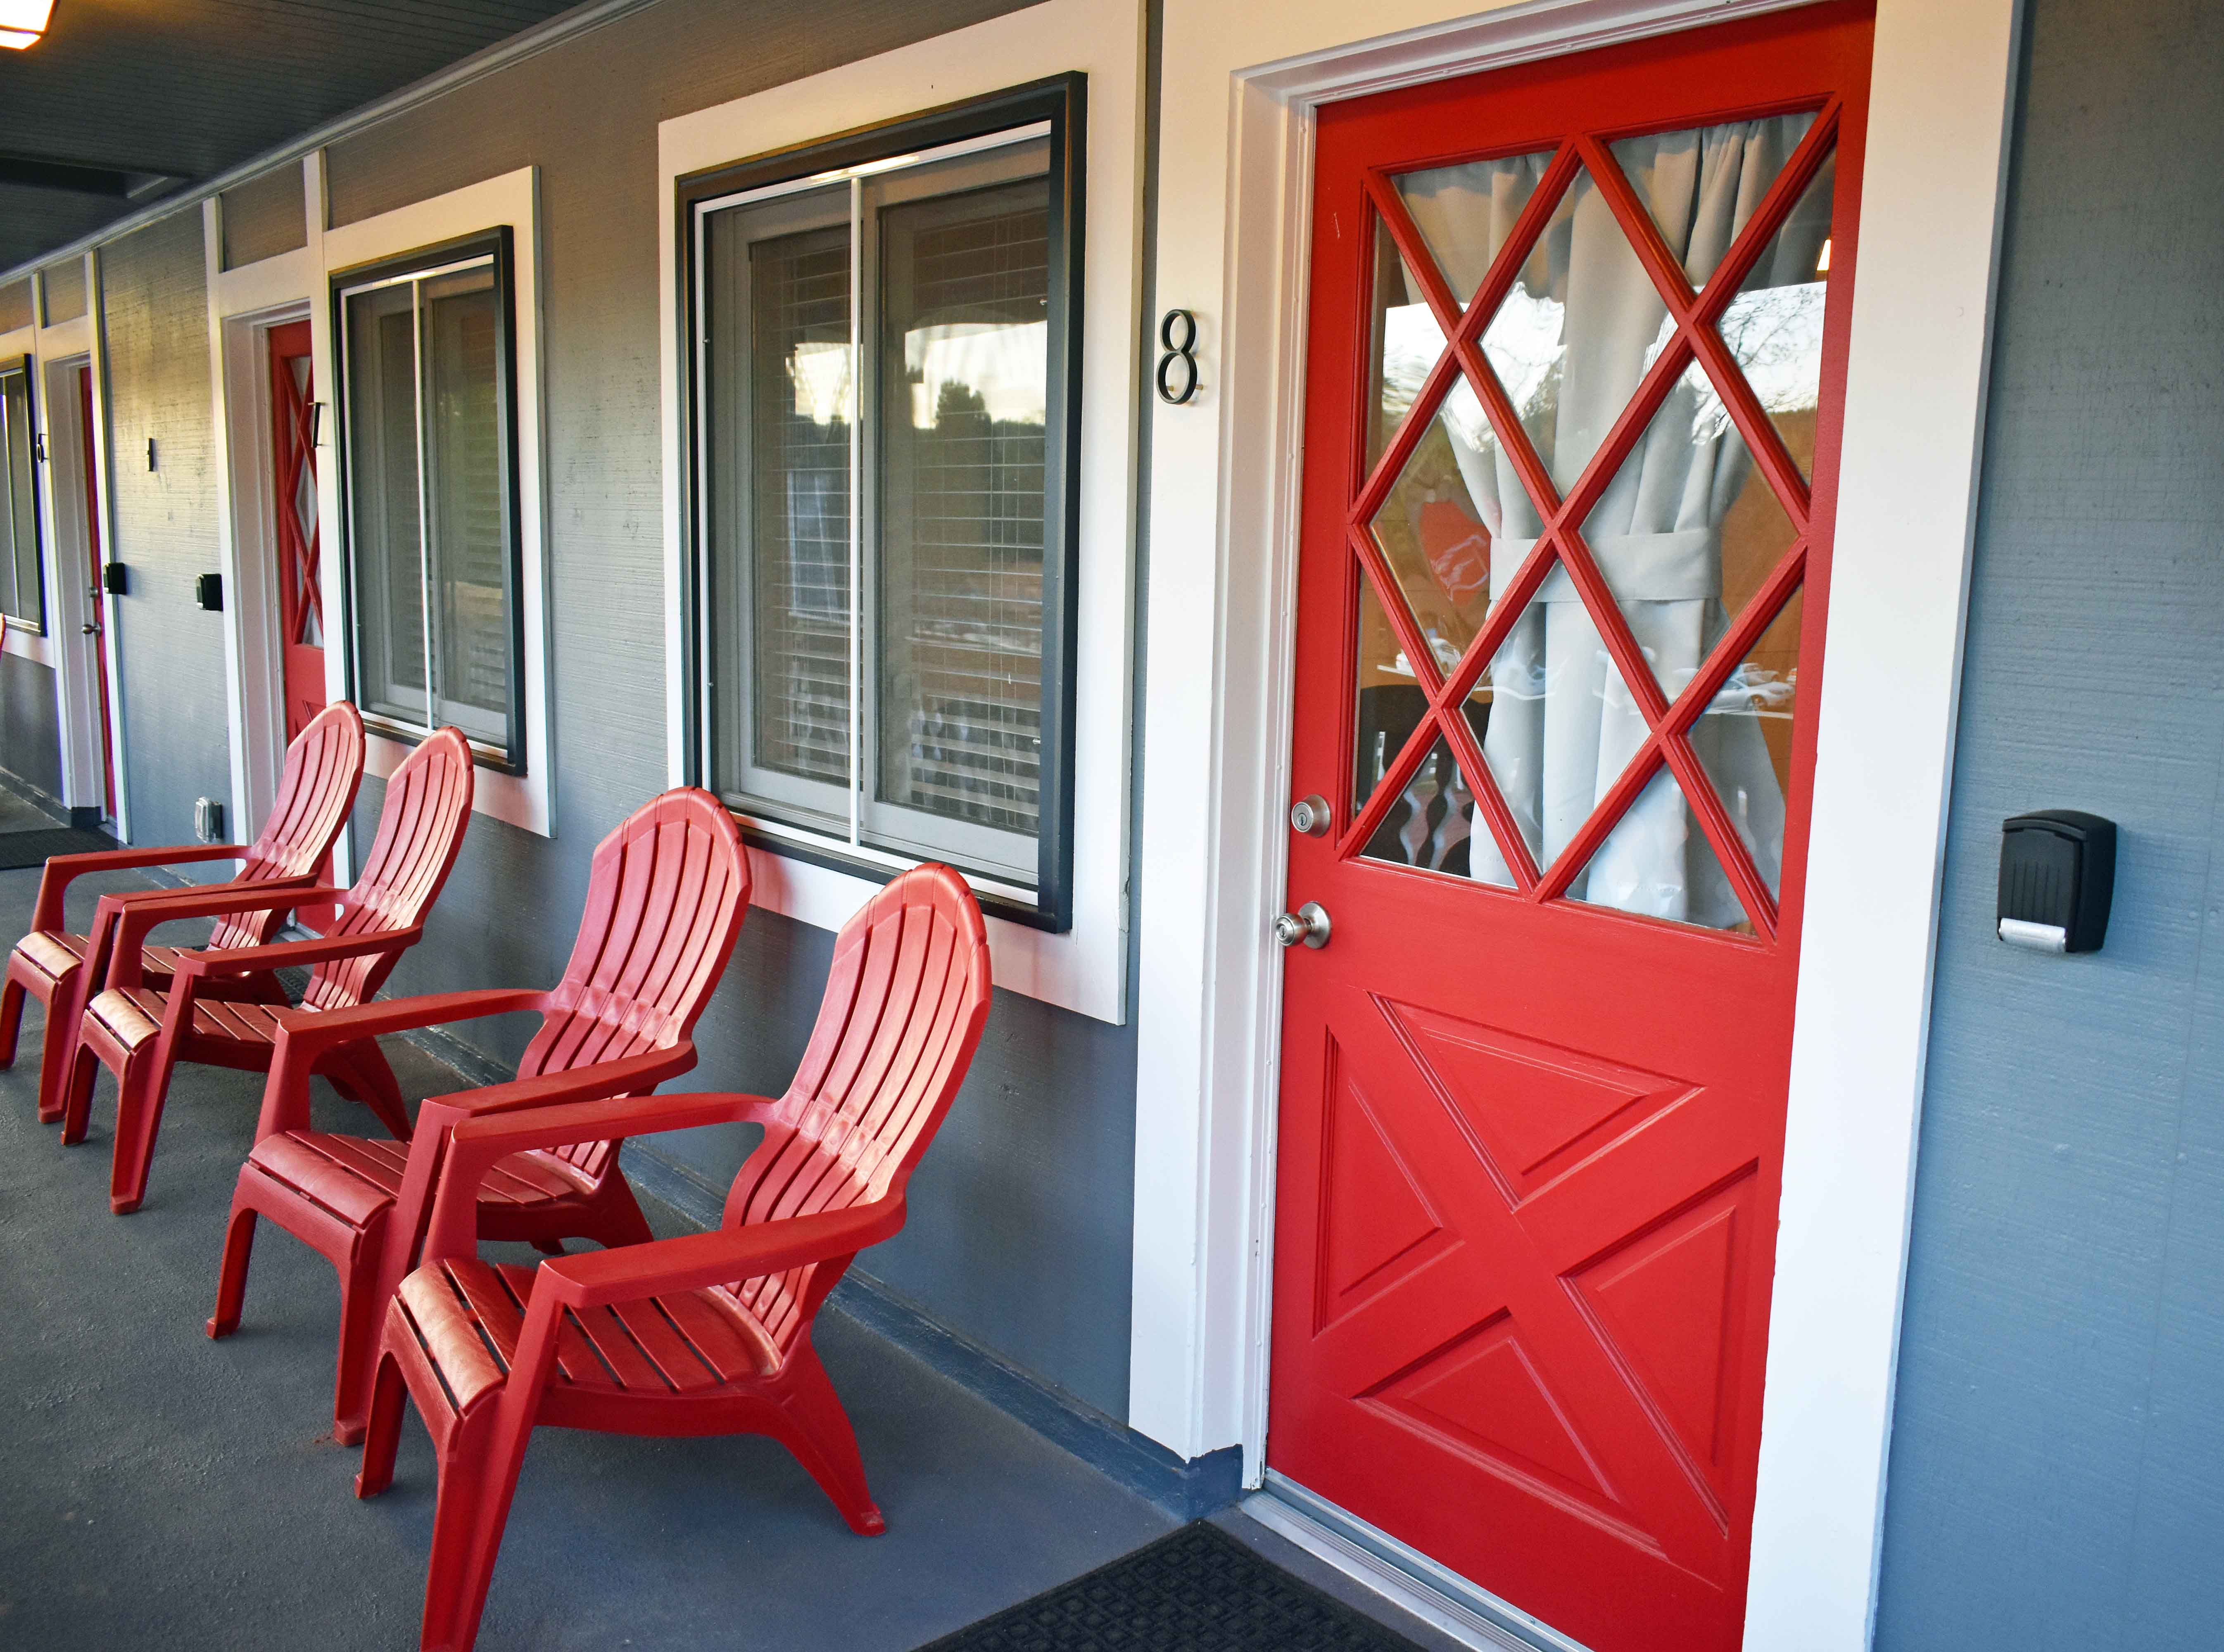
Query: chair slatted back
x=420, y=832
x=323, y=767
x=905, y=1005
x=665, y=898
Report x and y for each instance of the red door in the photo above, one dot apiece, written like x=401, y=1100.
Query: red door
x=293, y=467
x=97, y=626
x=1576, y=341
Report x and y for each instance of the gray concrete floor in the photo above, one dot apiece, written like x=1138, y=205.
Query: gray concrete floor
x=158, y=1490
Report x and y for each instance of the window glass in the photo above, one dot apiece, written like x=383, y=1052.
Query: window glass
x=877, y=521
x=429, y=485
x=21, y=596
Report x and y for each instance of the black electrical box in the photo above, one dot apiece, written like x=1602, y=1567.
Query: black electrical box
x=208, y=591
x=114, y=580
x=2057, y=876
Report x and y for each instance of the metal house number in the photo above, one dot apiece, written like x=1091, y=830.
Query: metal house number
x=1178, y=362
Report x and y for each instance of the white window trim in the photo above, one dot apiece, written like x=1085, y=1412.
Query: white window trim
x=511, y=200
x=1234, y=150
x=1085, y=968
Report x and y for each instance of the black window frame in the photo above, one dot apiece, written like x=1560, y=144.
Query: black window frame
x=500, y=242
x=1059, y=102
x=27, y=366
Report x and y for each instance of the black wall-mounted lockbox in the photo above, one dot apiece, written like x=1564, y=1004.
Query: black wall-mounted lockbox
x=208, y=591
x=2057, y=877
x=115, y=579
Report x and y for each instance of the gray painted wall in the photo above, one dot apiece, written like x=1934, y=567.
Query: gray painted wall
x=30, y=731
x=172, y=716
x=2057, y=1463
x=1019, y=1233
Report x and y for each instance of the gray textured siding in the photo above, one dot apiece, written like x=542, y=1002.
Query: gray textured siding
x=65, y=284
x=264, y=217
x=15, y=305
x=170, y=654
x=30, y=732
x=2057, y=1463
x=1020, y=1232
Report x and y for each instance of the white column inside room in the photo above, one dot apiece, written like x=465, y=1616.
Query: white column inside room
x=1240, y=83
x=1084, y=969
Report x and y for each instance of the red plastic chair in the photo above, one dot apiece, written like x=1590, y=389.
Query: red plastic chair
x=709, y=1334
x=324, y=767
x=664, y=902
x=141, y=1033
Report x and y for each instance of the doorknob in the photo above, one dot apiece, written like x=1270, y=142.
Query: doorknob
x=89, y=630
x=1309, y=924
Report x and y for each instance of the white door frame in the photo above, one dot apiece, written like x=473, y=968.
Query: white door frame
x=1240, y=88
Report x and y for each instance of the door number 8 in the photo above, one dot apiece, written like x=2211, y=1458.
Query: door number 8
x=1178, y=366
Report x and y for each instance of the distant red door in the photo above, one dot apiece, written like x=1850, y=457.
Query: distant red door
x=293, y=468
x=96, y=625
x=1576, y=351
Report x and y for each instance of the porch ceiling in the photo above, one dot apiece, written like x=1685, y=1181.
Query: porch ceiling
x=125, y=101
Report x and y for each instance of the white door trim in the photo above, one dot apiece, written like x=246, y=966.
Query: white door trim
x=1236, y=103
x=102, y=460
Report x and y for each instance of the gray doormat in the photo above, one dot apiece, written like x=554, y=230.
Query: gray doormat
x=1196, y=1590
x=20, y=849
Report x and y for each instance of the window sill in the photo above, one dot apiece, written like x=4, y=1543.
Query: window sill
x=483, y=755
x=1012, y=902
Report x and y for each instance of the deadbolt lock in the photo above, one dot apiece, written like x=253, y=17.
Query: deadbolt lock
x=1310, y=816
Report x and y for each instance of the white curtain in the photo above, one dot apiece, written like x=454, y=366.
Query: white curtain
x=1571, y=343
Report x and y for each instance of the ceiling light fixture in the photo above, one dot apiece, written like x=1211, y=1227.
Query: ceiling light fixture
x=22, y=22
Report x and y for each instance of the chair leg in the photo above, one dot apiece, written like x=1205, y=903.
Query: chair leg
x=383, y=1431
x=56, y=1042
x=478, y=1476
x=363, y=1310
x=819, y=1434
x=140, y=1093
x=360, y=1071
x=231, y=1276
x=11, y=1019
x=76, y=1094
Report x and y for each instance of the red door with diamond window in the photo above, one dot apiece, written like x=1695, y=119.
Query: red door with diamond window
x=293, y=470
x=1575, y=352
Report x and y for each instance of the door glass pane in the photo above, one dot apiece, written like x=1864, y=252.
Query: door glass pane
x=1390, y=702
x=1555, y=722
x=1577, y=331
x=1658, y=863
x=1440, y=527
x=465, y=501
x=304, y=507
x=1774, y=325
x=385, y=527
x=1466, y=213
x=1432, y=821
x=1687, y=531
x=963, y=398
x=779, y=380
x=1703, y=184
x=1744, y=741
x=1407, y=343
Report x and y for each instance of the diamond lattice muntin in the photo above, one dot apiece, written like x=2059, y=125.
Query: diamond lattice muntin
x=1575, y=537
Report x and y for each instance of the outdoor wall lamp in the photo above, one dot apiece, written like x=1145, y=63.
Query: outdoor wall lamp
x=22, y=22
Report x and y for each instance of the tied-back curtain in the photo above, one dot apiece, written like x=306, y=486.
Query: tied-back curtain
x=1575, y=337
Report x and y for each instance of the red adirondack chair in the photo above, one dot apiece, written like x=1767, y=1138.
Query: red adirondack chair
x=324, y=767
x=140, y=1033
x=665, y=901
x=709, y=1333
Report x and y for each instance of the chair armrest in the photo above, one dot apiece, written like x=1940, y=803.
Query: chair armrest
x=594, y=1278
x=62, y=870
x=280, y=955
x=551, y=1110
x=302, y=1039
x=138, y=917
